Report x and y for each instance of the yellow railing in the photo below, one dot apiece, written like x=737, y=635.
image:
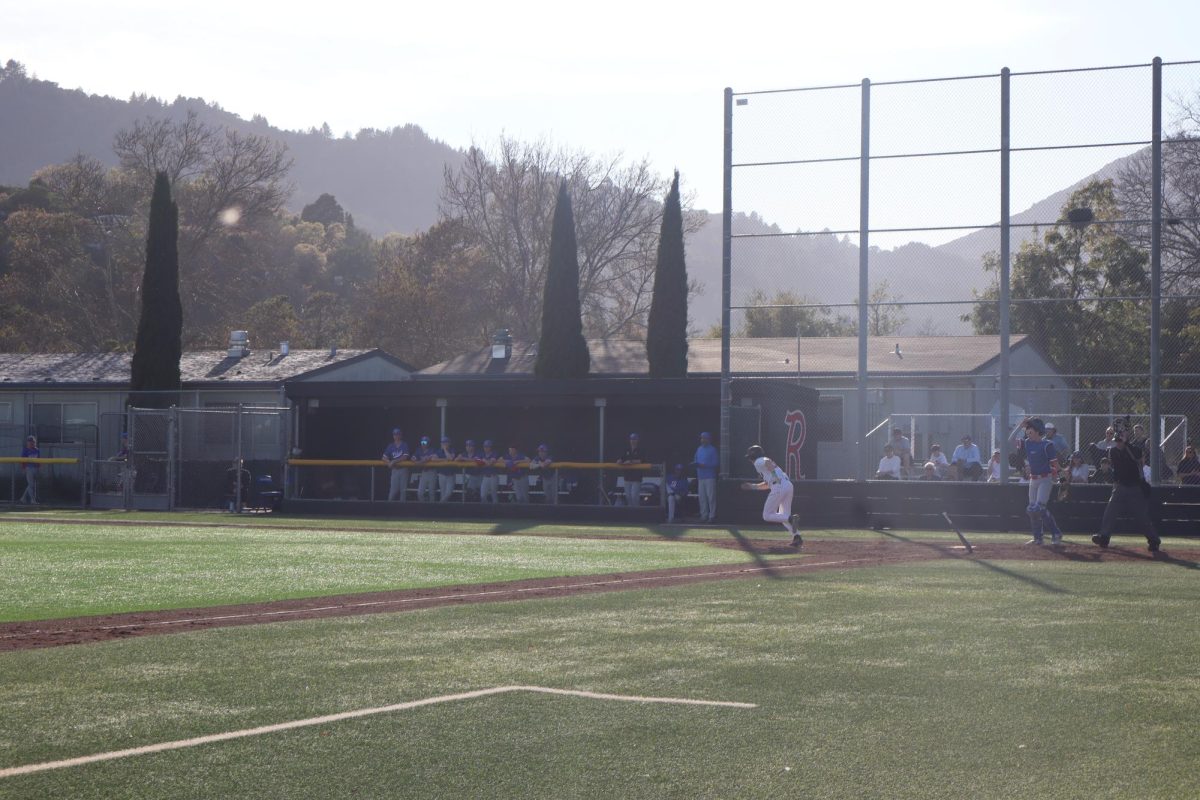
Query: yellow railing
x=27, y=460
x=463, y=464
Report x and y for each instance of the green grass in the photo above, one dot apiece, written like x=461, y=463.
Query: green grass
x=50, y=570
x=951, y=679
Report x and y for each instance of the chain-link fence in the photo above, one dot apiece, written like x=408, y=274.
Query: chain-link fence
x=230, y=457
x=958, y=253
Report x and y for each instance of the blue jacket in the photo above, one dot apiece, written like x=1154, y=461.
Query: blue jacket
x=708, y=461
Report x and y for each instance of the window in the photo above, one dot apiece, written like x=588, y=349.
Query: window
x=829, y=418
x=5, y=413
x=55, y=423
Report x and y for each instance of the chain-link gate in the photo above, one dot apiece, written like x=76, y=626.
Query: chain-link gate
x=229, y=457
x=232, y=457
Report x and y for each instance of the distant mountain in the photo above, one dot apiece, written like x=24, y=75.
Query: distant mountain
x=1044, y=213
x=389, y=180
x=824, y=268
x=392, y=181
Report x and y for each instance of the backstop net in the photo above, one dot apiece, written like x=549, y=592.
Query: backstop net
x=941, y=258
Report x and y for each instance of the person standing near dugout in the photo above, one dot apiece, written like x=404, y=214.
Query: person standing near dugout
x=778, y=505
x=1043, y=472
x=30, y=450
x=1131, y=494
x=707, y=462
x=632, y=478
x=396, y=456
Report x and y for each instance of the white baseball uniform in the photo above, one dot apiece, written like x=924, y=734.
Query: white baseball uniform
x=778, y=506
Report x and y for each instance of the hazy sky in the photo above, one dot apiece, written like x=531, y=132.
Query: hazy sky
x=638, y=78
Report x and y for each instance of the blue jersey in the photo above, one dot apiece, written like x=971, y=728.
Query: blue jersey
x=394, y=451
x=1040, y=455
x=678, y=485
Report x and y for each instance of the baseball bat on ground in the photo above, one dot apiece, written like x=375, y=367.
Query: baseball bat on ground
x=960, y=533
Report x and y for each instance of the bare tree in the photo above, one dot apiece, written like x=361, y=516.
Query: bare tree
x=1180, y=199
x=506, y=201
x=227, y=185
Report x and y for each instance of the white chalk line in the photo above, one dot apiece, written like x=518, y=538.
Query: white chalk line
x=179, y=744
x=437, y=598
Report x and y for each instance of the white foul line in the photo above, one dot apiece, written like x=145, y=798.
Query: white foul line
x=345, y=715
x=457, y=596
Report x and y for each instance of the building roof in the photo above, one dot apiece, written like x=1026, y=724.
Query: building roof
x=200, y=367
x=918, y=355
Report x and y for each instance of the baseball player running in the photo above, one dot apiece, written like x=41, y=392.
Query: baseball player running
x=775, y=481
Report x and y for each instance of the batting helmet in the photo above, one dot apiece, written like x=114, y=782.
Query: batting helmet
x=755, y=452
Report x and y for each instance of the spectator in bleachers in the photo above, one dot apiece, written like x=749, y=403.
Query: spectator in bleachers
x=1060, y=444
x=993, y=467
x=929, y=472
x=967, y=462
x=1100, y=449
x=1103, y=473
x=1079, y=471
x=889, y=465
x=1188, y=468
x=902, y=446
x=940, y=462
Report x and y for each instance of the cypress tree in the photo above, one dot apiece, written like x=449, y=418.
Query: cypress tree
x=159, y=345
x=562, y=350
x=666, y=331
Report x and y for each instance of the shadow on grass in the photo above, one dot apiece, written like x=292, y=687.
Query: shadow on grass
x=748, y=547
x=988, y=565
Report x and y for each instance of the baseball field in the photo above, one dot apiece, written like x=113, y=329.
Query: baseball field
x=177, y=656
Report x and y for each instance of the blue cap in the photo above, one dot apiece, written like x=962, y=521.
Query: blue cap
x=470, y=442
x=633, y=436
x=124, y=435
x=543, y=447
x=396, y=431
x=705, y=435
x=678, y=467
x=445, y=438
x=487, y=442
x=424, y=440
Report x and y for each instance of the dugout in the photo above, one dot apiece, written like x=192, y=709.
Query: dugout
x=588, y=419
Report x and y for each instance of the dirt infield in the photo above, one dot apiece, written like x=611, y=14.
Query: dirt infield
x=816, y=555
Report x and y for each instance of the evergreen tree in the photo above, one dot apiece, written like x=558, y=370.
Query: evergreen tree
x=159, y=344
x=666, y=332
x=562, y=350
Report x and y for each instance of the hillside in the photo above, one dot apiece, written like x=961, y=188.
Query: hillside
x=389, y=180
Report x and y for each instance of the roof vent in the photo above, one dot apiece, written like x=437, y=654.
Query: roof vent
x=239, y=344
x=501, y=345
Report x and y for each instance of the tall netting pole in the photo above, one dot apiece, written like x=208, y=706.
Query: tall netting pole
x=1155, y=266
x=726, y=280
x=1005, y=272
x=864, y=289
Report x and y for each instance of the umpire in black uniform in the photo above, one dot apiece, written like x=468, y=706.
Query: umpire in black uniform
x=1131, y=493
